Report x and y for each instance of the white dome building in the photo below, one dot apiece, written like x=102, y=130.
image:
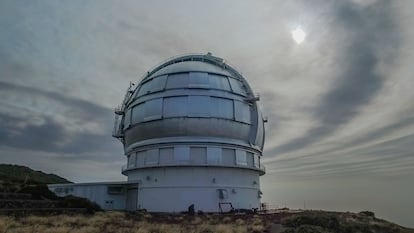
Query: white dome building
x=193, y=135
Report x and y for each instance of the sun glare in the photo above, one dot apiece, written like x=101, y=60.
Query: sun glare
x=298, y=35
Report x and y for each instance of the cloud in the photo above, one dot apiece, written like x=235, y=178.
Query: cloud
x=43, y=132
x=364, y=33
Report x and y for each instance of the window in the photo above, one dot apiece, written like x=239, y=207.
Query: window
x=153, y=109
x=138, y=113
x=152, y=85
x=199, y=106
x=241, y=158
x=199, y=80
x=158, y=83
x=177, y=80
x=256, y=160
x=131, y=160
x=141, y=158
x=242, y=112
x=229, y=157
x=198, y=155
x=151, y=157
x=175, y=106
x=127, y=121
x=213, y=155
x=237, y=86
x=181, y=154
x=166, y=155
x=115, y=190
x=219, y=82
x=250, y=159
x=222, y=108
x=145, y=88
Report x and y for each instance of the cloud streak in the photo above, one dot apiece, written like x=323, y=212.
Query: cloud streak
x=366, y=31
x=50, y=135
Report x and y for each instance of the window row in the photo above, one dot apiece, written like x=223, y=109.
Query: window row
x=191, y=80
x=188, y=106
x=194, y=155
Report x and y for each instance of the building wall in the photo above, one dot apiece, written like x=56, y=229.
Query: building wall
x=96, y=192
x=174, y=189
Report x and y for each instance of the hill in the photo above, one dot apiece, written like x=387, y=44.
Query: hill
x=21, y=174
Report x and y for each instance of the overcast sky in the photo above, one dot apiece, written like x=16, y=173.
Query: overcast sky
x=340, y=104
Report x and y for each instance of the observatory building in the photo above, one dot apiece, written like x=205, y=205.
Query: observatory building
x=193, y=135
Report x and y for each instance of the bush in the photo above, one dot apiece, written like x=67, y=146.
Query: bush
x=368, y=213
x=38, y=192
x=79, y=202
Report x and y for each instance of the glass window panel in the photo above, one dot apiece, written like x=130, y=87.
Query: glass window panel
x=199, y=80
x=198, y=155
x=199, y=106
x=242, y=112
x=249, y=156
x=181, y=154
x=151, y=157
x=153, y=109
x=241, y=158
x=166, y=155
x=229, y=157
x=219, y=82
x=175, y=106
x=222, y=108
x=213, y=155
x=256, y=160
x=141, y=158
x=127, y=120
x=138, y=113
x=131, y=160
x=177, y=80
x=158, y=83
x=145, y=88
x=237, y=86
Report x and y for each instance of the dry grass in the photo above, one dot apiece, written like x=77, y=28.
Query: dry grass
x=102, y=222
x=124, y=223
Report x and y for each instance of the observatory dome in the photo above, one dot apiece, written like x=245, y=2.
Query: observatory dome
x=195, y=98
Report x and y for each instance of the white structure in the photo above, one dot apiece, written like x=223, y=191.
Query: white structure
x=193, y=135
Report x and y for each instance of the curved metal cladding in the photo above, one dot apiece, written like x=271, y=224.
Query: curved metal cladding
x=191, y=111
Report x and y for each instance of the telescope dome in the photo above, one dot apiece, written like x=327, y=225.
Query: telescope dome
x=192, y=98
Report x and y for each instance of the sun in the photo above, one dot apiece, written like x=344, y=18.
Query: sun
x=298, y=35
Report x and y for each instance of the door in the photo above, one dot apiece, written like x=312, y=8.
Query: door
x=132, y=197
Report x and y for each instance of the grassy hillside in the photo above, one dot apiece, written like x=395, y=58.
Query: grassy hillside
x=20, y=174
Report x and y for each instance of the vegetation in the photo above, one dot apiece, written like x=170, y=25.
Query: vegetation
x=112, y=221
x=127, y=223
x=22, y=174
x=335, y=222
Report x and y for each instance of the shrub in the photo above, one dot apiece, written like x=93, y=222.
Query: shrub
x=368, y=213
x=39, y=192
x=79, y=202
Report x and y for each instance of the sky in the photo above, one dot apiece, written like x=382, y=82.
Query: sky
x=340, y=106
